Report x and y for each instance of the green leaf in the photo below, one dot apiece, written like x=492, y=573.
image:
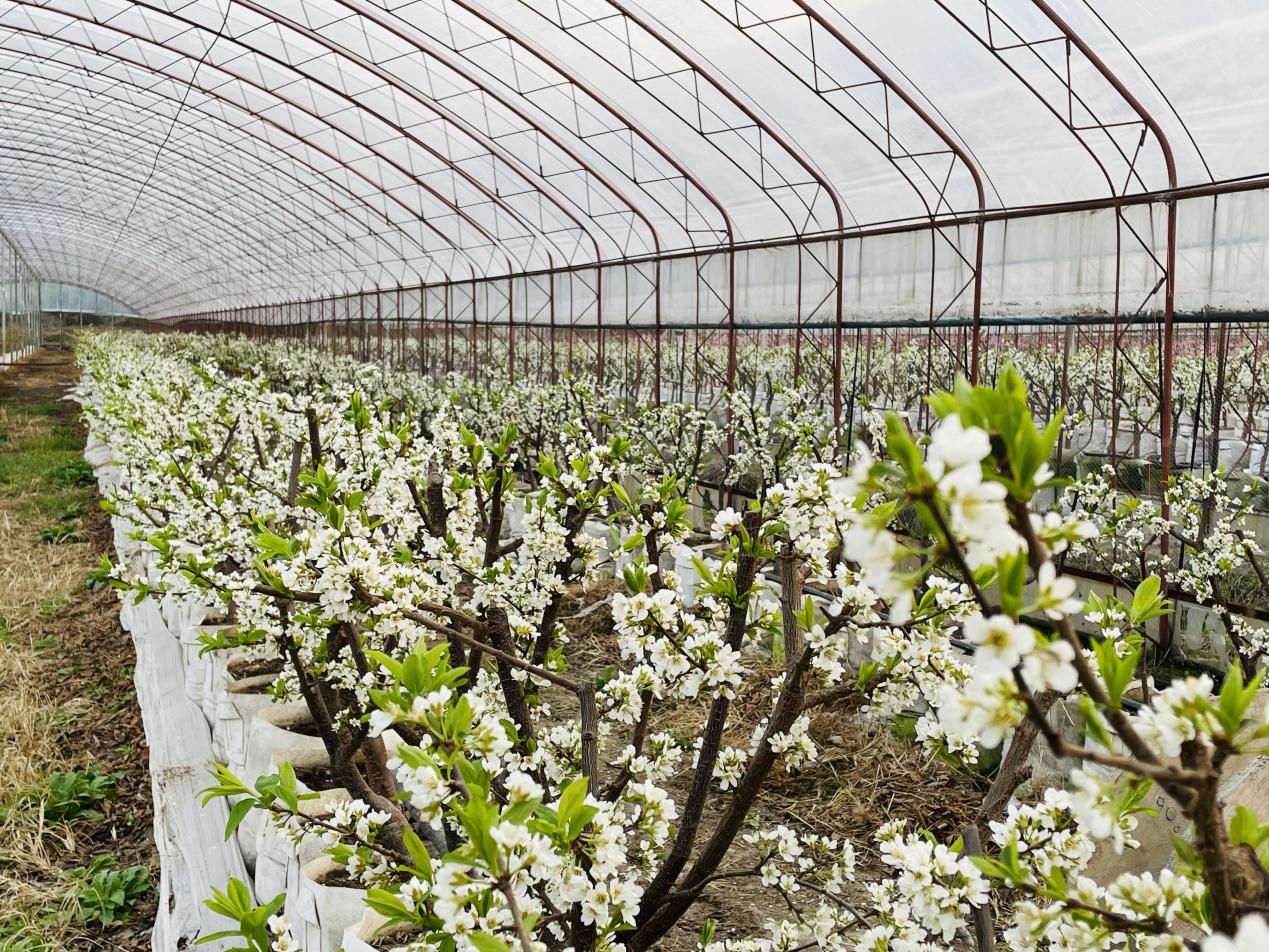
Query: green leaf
x=1246, y=828
x=1012, y=571
x=487, y=943
x=902, y=447
x=237, y=815
x=1093, y=724
x=388, y=905
x=1147, y=603
x=570, y=807
x=274, y=546
x=991, y=868
x=286, y=788
x=418, y=852
x=1234, y=699
x=1117, y=672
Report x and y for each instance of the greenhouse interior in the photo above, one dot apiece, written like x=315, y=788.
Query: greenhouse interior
x=627, y=475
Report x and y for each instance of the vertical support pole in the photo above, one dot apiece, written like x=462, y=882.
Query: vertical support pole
x=731, y=348
x=475, y=332
x=797, y=320
x=378, y=325
x=511, y=327
x=551, y=301
x=599, y=324
x=976, y=327
x=656, y=340
x=837, y=342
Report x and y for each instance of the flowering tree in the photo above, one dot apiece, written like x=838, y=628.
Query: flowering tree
x=1213, y=555
x=507, y=795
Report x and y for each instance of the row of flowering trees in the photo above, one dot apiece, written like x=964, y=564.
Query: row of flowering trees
x=1218, y=402
x=404, y=547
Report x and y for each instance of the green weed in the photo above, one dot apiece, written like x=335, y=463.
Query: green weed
x=105, y=894
x=73, y=795
x=63, y=533
x=73, y=474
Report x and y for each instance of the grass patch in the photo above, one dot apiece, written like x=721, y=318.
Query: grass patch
x=53, y=811
x=75, y=474
x=42, y=407
x=36, y=456
x=72, y=510
x=20, y=933
x=61, y=533
x=51, y=606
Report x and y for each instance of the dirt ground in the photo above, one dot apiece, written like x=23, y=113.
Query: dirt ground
x=66, y=698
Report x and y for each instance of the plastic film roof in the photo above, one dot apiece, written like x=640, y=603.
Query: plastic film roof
x=180, y=156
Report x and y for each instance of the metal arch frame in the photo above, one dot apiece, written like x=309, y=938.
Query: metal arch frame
x=1072, y=39
x=1079, y=133
x=140, y=38
x=633, y=128
x=121, y=165
x=705, y=74
x=70, y=221
x=1067, y=37
x=955, y=150
x=17, y=252
x=221, y=69
x=533, y=232
x=146, y=277
x=66, y=130
x=496, y=154
x=135, y=269
x=753, y=23
x=1071, y=99
x=91, y=290
x=63, y=158
x=1067, y=121
x=1159, y=89
x=496, y=149
x=624, y=120
x=443, y=114
x=764, y=129
x=151, y=229
x=237, y=146
x=461, y=250
x=83, y=173
x=370, y=236
x=175, y=196
x=282, y=174
x=318, y=175
x=1169, y=277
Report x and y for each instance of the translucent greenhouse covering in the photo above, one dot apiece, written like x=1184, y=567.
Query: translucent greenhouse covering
x=540, y=184
x=202, y=155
